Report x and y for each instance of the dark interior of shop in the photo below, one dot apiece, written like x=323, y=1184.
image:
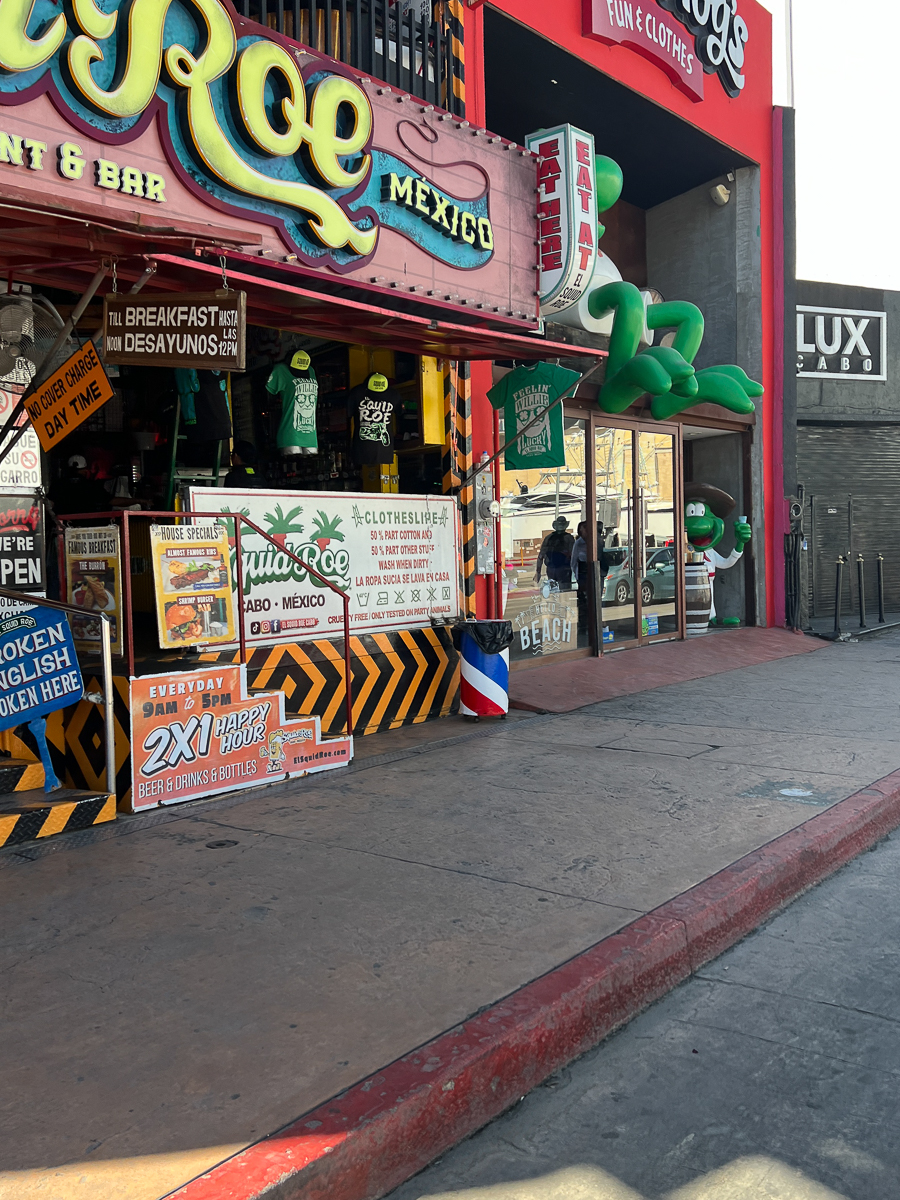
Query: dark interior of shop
x=530, y=84
x=145, y=444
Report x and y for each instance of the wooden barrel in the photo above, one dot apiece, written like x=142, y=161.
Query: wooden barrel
x=697, y=596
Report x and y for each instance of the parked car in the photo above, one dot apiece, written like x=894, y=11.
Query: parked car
x=658, y=582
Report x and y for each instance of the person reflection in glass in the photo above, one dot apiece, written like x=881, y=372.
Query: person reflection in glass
x=580, y=569
x=556, y=555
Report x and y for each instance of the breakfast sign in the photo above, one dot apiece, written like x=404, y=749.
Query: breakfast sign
x=94, y=583
x=166, y=109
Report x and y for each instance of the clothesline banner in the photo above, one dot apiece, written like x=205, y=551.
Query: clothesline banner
x=395, y=557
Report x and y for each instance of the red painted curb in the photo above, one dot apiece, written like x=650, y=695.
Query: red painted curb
x=381, y=1131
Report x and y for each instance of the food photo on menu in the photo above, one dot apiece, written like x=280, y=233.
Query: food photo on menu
x=195, y=618
x=93, y=589
x=206, y=570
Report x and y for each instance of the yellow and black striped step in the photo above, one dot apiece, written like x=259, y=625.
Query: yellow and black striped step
x=25, y=816
x=19, y=775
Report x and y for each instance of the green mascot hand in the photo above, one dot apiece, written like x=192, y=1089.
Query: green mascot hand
x=742, y=534
x=664, y=372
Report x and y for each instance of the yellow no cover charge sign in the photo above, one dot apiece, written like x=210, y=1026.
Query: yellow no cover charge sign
x=72, y=394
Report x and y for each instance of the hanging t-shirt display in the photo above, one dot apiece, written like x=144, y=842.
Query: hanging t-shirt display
x=523, y=394
x=187, y=384
x=372, y=412
x=298, y=391
x=211, y=406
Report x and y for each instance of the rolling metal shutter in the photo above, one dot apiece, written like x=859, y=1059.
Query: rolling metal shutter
x=852, y=479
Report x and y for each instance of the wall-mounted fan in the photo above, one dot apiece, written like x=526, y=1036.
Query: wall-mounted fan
x=29, y=326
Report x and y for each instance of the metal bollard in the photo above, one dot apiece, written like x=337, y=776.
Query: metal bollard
x=861, y=581
x=838, y=581
x=880, y=589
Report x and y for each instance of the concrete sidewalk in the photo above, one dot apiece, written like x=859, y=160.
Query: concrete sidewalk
x=188, y=982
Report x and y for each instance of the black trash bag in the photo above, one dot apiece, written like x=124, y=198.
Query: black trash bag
x=489, y=636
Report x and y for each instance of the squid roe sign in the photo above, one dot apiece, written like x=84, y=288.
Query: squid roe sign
x=39, y=671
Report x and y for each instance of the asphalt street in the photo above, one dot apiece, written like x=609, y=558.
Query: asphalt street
x=772, y=1075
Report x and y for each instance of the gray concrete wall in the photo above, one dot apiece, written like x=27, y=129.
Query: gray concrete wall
x=829, y=400
x=710, y=255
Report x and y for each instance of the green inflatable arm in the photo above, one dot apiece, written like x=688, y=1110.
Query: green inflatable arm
x=665, y=372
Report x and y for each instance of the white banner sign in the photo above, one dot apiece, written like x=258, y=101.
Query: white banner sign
x=20, y=469
x=395, y=556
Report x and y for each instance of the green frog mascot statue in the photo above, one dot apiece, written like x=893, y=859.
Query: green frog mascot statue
x=705, y=510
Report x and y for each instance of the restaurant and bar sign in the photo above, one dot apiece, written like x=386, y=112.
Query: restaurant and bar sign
x=205, y=330
x=188, y=115
x=199, y=733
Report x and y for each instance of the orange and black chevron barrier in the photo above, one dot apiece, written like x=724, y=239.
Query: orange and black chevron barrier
x=398, y=678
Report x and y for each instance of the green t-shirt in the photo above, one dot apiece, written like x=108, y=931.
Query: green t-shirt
x=299, y=393
x=523, y=394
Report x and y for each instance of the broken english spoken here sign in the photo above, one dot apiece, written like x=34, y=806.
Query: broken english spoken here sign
x=72, y=394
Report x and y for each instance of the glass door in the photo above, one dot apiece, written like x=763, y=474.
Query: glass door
x=618, y=533
x=660, y=593
x=542, y=535
x=637, y=534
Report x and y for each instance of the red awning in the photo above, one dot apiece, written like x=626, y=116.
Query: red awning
x=337, y=318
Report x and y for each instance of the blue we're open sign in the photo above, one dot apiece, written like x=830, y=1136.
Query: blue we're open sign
x=39, y=671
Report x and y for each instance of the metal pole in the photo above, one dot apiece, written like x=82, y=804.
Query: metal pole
x=108, y=701
x=861, y=583
x=239, y=568
x=126, y=591
x=880, y=589
x=837, y=595
x=347, y=672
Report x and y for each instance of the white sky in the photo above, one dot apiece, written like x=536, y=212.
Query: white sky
x=848, y=169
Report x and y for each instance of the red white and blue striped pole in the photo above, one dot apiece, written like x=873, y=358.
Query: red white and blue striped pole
x=484, y=681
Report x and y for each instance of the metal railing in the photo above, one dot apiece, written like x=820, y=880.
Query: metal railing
x=109, y=724
x=415, y=46
x=126, y=516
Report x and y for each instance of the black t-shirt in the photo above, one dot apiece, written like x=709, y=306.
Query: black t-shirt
x=373, y=423
x=211, y=404
x=249, y=477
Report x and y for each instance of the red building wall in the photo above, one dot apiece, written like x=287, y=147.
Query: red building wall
x=744, y=123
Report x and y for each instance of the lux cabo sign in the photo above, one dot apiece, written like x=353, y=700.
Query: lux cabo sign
x=238, y=117
x=844, y=343
x=716, y=47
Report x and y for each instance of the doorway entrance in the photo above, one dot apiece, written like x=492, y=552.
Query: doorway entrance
x=638, y=533
x=590, y=549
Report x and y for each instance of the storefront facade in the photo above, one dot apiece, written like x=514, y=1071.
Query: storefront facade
x=690, y=123
x=375, y=242
x=847, y=449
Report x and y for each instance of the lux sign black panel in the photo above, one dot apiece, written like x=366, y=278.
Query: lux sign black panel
x=843, y=343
